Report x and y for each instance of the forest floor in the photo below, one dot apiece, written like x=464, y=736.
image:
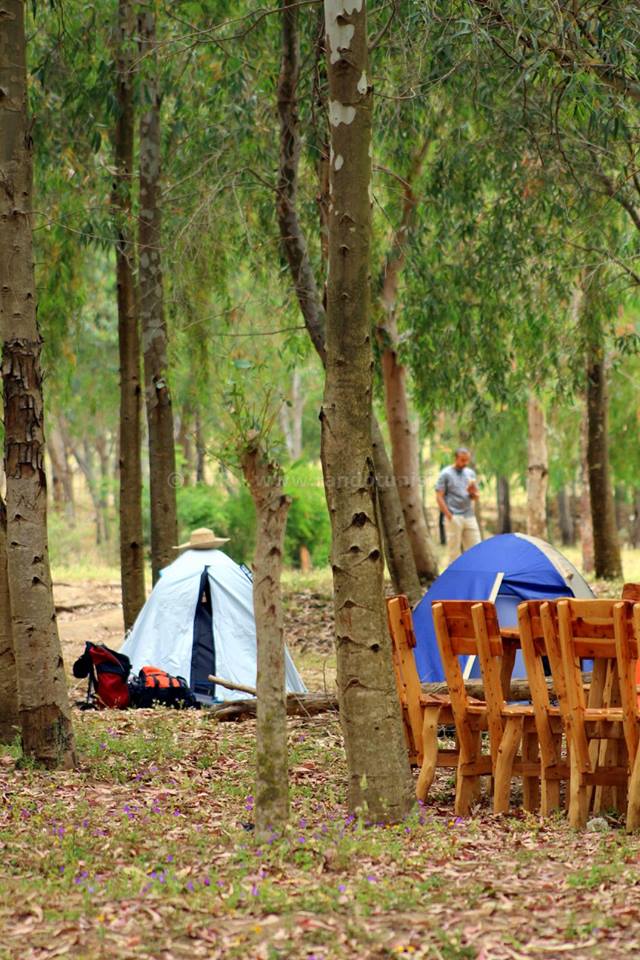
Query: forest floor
x=147, y=851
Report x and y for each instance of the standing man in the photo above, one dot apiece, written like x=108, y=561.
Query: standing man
x=456, y=490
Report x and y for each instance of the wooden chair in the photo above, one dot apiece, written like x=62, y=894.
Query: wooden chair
x=469, y=628
x=631, y=591
x=539, y=640
x=421, y=713
x=600, y=630
x=628, y=660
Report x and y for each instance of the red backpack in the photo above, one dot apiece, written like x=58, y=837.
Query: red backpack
x=108, y=674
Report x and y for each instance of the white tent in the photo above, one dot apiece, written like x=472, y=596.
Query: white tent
x=198, y=621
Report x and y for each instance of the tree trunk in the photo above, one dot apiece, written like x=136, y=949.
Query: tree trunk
x=56, y=477
x=634, y=526
x=537, y=470
x=620, y=506
x=402, y=568
x=608, y=565
x=398, y=552
x=85, y=462
x=130, y=426
x=63, y=495
x=102, y=449
x=504, y=503
x=379, y=778
x=565, y=518
x=405, y=451
x=406, y=460
x=185, y=441
x=162, y=457
x=586, y=527
x=297, y=410
x=200, y=447
x=45, y=717
x=264, y=479
x=9, y=721
x=291, y=418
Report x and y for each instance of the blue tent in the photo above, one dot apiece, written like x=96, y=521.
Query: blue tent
x=507, y=569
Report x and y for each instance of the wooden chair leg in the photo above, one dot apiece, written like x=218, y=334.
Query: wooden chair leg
x=579, y=795
x=605, y=795
x=507, y=751
x=467, y=785
x=621, y=792
x=633, y=804
x=477, y=787
x=549, y=796
x=550, y=789
x=430, y=751
x=530, y=785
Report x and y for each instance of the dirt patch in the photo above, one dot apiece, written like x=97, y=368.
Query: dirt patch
x=90, y=611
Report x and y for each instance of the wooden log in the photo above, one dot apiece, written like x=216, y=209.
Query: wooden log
x=298, y=705
x=221, y=682
x=311, y=704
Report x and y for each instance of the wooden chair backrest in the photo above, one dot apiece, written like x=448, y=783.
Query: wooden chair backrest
x=598, y=630
x=587, y=629
x=403, y=640
x=538, y=626
x=467, y=627
x=631, y=591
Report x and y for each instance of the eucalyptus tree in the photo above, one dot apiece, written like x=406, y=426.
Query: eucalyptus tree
x=130, y=428
x=43, y=705
x=379, y=777
x=162, y=461
x=9, y=719
x=400, y=559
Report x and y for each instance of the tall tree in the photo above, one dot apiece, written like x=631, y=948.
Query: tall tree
x=45, y=718
x=403, y=433
x=8, y=676
x=586, y=525
x=130, y=438
x=606, y=548
x=379, y=778
x=162, y=457
x=402, y=567
x=503, y=499
x=264, y=479
x=537, y=469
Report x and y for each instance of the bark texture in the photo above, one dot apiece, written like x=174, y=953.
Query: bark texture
x=586, y=526
x=405, y=451
x=9, y=722
x=608, y=564
x=45, y=718
x=402, y=568
x=130, y=436
x=634, y=524
x=61, y=476
x=537, y=470
x=379, y=778
x=504, y=504
x=291, y=418
x=565, y=517
x=398, y=552
x=272, y=788
x=162, y=457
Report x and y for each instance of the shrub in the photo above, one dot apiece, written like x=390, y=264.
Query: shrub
x=308, y=522
x=231, y=514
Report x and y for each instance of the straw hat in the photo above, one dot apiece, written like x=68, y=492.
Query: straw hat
x=202, y=539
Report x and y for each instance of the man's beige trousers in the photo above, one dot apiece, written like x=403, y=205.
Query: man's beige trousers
x=462, y=533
